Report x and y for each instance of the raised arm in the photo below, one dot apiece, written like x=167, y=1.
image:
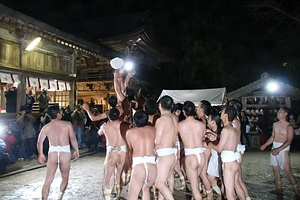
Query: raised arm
x=86, y=107
x=118, y=81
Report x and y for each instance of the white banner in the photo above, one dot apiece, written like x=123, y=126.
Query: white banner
x=34, y=82
x=53, y=85
x=44, y=84
x=5, y=78
x=16, y=78
x=68, y=85
x=61, y=86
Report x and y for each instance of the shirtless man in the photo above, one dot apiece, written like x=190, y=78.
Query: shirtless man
x=192, y=133
x=166, y=133
x=115, y=151
x=227, y=147
x=140, y=140
x=59, y=134
x=203, y=109
x=282, y=136
x=240, y=148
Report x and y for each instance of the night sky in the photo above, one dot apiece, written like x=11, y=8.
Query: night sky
x=210, y=44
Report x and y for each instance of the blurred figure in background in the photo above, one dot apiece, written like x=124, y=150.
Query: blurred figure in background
x=11, y=98
x=28, y=138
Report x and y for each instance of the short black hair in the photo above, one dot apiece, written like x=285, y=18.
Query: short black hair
x=112, y=101
x=189, y=108
x=237, y=104
x=151, y=106
x=140, y=118
x=231, y=111
x=177, y=106
x=113, y=114
x=206, y=106
x=53, y=111
x=166, y=102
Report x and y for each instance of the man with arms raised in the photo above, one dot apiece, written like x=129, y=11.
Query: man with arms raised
x=192, y=133
x=115, y=151
x=166, y=133
x=227, y=147
x=141, y=141
x=59, y=134
x=282, y=136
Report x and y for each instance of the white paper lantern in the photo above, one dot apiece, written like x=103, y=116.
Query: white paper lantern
x=117, y=63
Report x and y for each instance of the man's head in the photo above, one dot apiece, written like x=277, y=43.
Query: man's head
x=214, y=120
x=113, y=114
x=151, y=107
x=237, y=104
x=188, y=108
x=140, y=118
x=177, y=109
x=112, y=101
x=54, y=112
x=283, y=113
x=203, y=108
x=166, y=103
x=229, y=113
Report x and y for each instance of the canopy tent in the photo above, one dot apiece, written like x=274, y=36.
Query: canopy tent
x=216, y=96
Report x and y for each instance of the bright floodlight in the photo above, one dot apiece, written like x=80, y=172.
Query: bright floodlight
x=33, y=44
x=128, y=66
x=272, y=87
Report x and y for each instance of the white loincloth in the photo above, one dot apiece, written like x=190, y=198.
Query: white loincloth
x=143, y=160
x=279, y=159
x=213, y=164
x=194, y=151
x=241, y=148
x=59, y=149
x=229, y=156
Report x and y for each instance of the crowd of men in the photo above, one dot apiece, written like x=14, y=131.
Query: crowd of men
x=148, y=141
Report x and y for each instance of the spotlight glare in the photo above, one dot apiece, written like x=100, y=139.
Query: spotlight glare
x=272, y=87
x=128, y=66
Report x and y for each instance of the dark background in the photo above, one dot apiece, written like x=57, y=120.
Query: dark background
x=210, y=43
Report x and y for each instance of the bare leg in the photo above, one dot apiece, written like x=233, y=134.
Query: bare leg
x=203, y=174
x=289, y=174
x=229, y=177
x=192, y=173
x=64, y=167
x=51, y=169
x=238, y=188
x=165, y=168
x=277, y=177
x=136, y=182
x=119, y=172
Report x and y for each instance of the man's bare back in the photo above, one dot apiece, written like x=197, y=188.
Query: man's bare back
x=192, y=134
x=115, y=151
x=166, y=134
x=141, y=141
x=59, y=134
